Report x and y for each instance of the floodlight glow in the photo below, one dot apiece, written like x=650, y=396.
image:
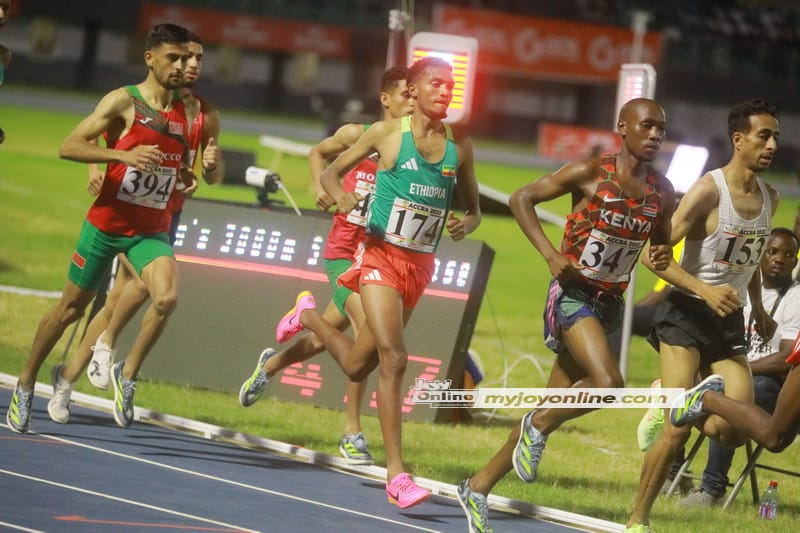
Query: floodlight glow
x=686, y=166
x=636, y=80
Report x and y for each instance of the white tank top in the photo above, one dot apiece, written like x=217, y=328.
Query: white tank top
x=732, y=253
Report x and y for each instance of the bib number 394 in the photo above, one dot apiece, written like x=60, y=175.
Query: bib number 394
x=148, y=189
x=609, y=258
x=415, y=226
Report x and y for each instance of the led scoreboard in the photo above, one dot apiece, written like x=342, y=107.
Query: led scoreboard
x=462, y=53
x=241, y=268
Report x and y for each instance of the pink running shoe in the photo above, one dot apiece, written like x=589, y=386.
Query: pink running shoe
x=404, y=492
x=290, y=324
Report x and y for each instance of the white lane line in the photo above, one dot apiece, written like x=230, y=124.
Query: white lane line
x=236, y=483
x=127, y=501
x=20, y=528
x=23, y=291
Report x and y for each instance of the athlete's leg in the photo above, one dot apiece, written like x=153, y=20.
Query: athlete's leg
x=51, y=327
x=354, y=389
x=679, y=366
x=305, y=346
x=357, y=358
x=775, y=432
x=161, y=278
x=386, y=319
x=739, y=386
x=133, y=294
x=589, y=357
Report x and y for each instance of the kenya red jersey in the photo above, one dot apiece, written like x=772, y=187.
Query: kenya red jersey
x=133, y=201
x=608, y=234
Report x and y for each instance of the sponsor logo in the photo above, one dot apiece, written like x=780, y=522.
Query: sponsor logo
x=145, y=120
x=373, y=276
x=411, y=164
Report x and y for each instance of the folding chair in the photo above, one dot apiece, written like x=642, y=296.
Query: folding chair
x=749, y=471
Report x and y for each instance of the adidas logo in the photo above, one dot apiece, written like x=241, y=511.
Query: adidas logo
x=411, y=164
x=374, y=275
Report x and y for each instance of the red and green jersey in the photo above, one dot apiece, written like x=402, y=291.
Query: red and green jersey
x=193, y=138
x=607, y=235
x=133, y=201
x=348, y=229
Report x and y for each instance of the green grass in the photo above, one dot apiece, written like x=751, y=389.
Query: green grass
x=591, y=465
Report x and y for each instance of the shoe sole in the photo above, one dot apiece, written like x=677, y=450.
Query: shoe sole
x=412, y=504
x=514, y=455
x=352, y=461
x=11, y=424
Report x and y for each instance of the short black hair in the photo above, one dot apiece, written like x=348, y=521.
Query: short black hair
x=166, y=33
x=786, y=232
x=739, y=115
x=416, y=70
x=392, y=76
x=194, y=38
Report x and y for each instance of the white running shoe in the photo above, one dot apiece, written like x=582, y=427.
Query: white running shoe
x=58, y=406
x=99, y=369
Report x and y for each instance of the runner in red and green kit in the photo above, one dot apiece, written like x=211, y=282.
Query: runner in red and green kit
x=96, y=351
x=618, y=202
x=420, y=161
x=146, y=157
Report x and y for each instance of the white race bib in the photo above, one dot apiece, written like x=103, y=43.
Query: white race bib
x=148, y=188
x=358, y=215
x=608, y=257
x=740, y=249
x=414, y=226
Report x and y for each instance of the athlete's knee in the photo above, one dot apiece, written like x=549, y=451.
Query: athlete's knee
x=68, y=314
x=393, y=361
x=609, y=381
x=165, y=302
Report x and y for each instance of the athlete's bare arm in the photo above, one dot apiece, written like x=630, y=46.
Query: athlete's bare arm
x=213, y=162
x=467, y=185
x=577, y=179
x=693, y=220
x=382, y=137
x=327, y=149
x=660, y=251
x=81, y=145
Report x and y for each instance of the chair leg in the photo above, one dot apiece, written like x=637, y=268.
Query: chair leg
x=749, y=470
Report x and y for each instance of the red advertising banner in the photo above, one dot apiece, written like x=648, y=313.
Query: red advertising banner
x=569, y=143
x=545, y=48
x=248, y=31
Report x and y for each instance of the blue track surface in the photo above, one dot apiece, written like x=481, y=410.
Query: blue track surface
x=90, y=475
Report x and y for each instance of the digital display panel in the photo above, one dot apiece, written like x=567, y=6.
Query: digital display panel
x=241, y=268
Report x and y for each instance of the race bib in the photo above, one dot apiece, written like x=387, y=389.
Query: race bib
x=148, y=188
x=740, y=249
x=608, y=257
x=358, y=215
x=414, y=226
